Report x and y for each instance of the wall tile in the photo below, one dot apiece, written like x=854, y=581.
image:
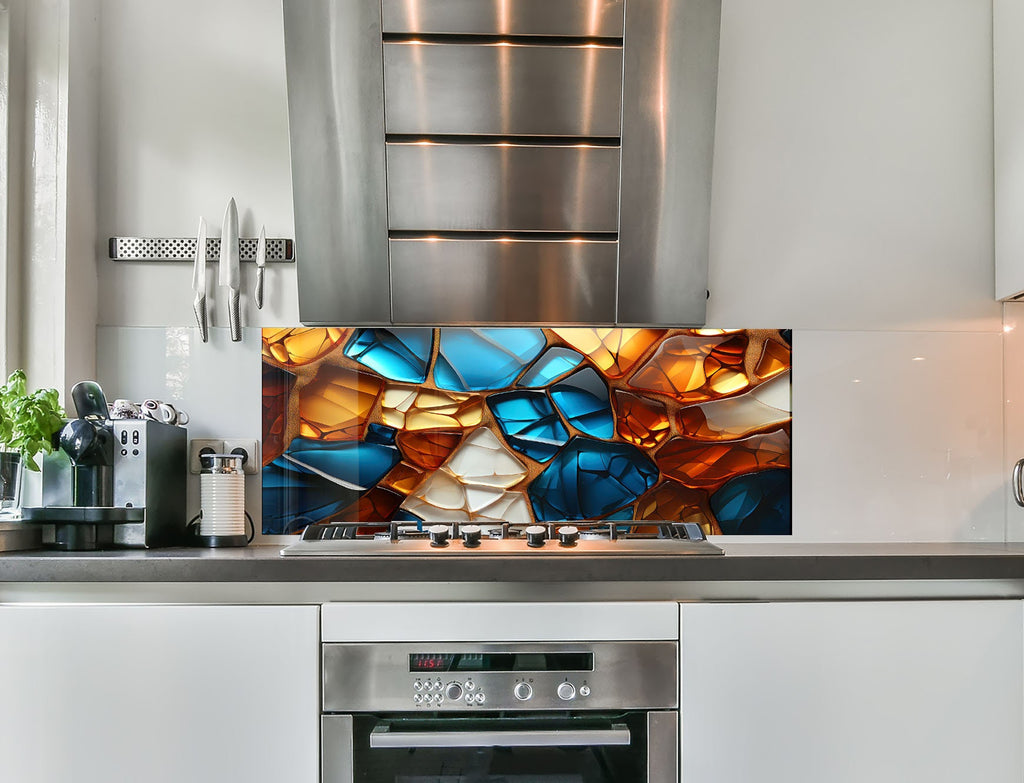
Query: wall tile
x=1013, y=396
x=897, y=436
x=217, y=383
x=914, y=452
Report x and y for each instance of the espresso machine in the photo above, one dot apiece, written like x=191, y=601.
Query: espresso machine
x=117, y=482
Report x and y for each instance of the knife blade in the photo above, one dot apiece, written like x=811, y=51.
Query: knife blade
x=229, y=272
x=199, y=281
x=261, y=262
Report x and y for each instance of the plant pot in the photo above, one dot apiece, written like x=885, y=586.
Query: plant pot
x=11, y=470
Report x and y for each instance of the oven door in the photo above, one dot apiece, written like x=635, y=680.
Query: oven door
x=631, y=747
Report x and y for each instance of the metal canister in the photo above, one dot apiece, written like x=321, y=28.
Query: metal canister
x=222, y=499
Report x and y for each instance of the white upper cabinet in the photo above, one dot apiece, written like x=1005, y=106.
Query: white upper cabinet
x=1008, y=111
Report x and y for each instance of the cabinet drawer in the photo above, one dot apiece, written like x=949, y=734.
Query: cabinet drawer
x=598, y=18
x=502, y=89
x=538, y=281
x=502, y=187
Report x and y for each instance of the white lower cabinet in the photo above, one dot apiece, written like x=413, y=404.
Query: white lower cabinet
x=159, y=694
x=852, y=692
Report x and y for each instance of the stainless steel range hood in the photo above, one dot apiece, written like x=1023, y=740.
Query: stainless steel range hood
x=502, y=161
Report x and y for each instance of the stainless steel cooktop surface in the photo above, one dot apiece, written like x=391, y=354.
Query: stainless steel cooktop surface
x=456, y=539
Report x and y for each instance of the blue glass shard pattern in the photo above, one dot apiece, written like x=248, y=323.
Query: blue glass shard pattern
x=355, y=464
x=397, y=354
x=583, y=400
x=314, y=479
x=529, y=423
x=480, y=359
x=590, y=478
x=755, y=504
x=294, y=498
x=381, y=434
x=555, y=363
x=401, y=515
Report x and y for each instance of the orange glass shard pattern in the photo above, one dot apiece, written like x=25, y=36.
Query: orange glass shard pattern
x=774, y=359
x=613, y=351
x=403, y=478
x=695, y=368
x=687, y=404
x=301, y=345
x=428, y=448
x=641, y=421
x=277, y=385
x=671, y=500
x=377, y=505
x=724, y=367
x=701, y=465
x=337, y=404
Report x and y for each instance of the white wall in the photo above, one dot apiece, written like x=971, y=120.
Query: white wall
x=193, y=112
x=852, y=202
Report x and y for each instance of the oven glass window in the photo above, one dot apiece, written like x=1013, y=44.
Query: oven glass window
x=482, y=759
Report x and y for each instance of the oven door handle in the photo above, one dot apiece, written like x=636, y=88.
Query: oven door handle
x=383, y=737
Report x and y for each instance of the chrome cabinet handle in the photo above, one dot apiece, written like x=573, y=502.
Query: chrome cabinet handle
x=383, y=737
x=1018, y=487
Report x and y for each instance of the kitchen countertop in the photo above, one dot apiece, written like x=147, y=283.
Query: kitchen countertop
x=747, y=571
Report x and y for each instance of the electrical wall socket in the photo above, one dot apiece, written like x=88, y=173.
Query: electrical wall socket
x=198, y=445
x=251, y=450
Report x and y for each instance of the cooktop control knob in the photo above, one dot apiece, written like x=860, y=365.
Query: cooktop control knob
x=568, y=535
x=566, y=691
x=535, y=535
x=522, y=691
x=453, y=691
x=438, y=535
x=471, y=535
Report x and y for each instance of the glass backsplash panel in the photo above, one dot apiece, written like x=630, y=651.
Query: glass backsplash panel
x=527, y=424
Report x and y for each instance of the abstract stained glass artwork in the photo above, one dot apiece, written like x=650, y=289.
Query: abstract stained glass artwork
x=527, y=425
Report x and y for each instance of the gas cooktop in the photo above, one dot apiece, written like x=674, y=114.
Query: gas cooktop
x=638, y=537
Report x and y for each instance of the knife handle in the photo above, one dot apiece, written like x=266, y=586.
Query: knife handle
x=199, y=306
x=258, y=293
x=234, y=317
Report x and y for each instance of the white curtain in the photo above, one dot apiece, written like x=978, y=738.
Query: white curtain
x=5, y=113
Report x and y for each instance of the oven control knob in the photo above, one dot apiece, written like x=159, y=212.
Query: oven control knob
x=438, y=535
x=584, y=690
x=453, y=692
x=568, y=535
x=471, y=535
x=522, y=691
x=566, y=691
x=535, y=535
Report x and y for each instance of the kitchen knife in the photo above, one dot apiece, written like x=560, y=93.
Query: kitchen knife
x=199, y=281
x=229, y=274
x=261, y=262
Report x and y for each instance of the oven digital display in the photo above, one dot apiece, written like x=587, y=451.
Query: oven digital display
x=502, y=662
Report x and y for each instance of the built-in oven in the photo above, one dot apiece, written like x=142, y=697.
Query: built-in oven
x=518, y=712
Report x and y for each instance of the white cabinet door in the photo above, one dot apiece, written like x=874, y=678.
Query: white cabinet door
x=161, y=694
x=1008, y=119
x=900, y=692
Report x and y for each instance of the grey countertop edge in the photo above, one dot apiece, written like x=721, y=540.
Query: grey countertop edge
x=741, y=563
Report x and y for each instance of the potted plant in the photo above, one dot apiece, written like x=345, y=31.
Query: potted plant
x=28, y=423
